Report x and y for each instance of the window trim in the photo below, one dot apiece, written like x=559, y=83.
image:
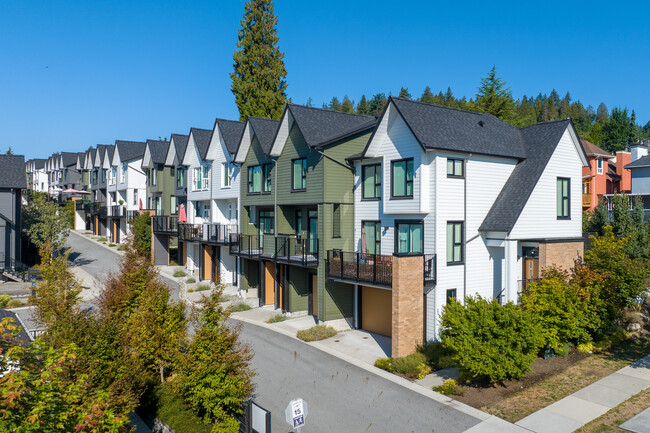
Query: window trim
x=599, y=166
x=303, y=176
x=448, y=292
x=392, y=179
x=378, y=172
x=226, y=180
x=568, y=198
x=249, y=182
x=462, y=168
x=396, y=237
x=266, y=167
x=298, y=222
x=377, y=243
x=461, y=243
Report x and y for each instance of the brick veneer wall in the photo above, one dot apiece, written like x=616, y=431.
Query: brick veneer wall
x=560, y=254
x=407, y=304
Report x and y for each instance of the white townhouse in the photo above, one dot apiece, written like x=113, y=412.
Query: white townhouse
x=37, y=175
x=488, y=205
x=127, y=185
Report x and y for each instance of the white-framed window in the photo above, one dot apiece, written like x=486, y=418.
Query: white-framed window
x=206, y=176
x=196, y=179
x=125, y=166
x=113, y=176
x=599, y=165
x=226, y=169
x=201, y=178
x=173, y=205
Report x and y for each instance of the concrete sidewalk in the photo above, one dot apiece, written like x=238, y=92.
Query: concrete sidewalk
x=581, y=407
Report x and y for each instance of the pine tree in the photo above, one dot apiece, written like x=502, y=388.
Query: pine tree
x=619, y=132
x=602, y=114
x=362, y=106
x=377, y=103
x=258, y=81
x=347, y=106
x=427, y=96
x=494, y=97
x=9, y=151
x=404, y=93
x=335, y=104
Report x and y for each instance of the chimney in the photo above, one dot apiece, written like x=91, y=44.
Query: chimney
x=638, y=151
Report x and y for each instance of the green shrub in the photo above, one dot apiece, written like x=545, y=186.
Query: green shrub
x=240, y=306
x=202, y=288
x=585, y=347
x=15, y=303
x=489, y=340
x=141, y=228
x=112, y=245
x=449, y=387
x=4, y=300
x=413, y=366
x=318, y=332
x=385, y=364
x=121, y=247
x=102, y=239
x=190, y=290
x=190, y=280
x=163, y=403
x=437, y=355
x=563, y=350
x=448, y=361
x=277, y=318
x=179, y=273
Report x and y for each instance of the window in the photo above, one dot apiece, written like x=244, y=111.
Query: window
x=454, y=242
x=94, y=176
x=113, y=177
x=266, y=176
x=402, y=178
x=563, y=198
x=225, y=168
x=196, y=179
x=173, y=205
x=299, y=174
x=104, y=172
x=336, y=220
x=454, y=167
x=371, y=180
x=255, y=179
x=125, y=166
x=599, y=164
x=135, y=197
x=180, y=178
x=372, y=230
x=206, y=177
x=451, y=295
x=409, y=237
x=298, y=222
x=172, y=171
x=266, y=222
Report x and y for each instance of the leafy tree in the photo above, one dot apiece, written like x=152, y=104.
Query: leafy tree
x=599, y=218
x=141, y=228
x=347, y=106
x=259, y=79
x=489, y=340
x=45, y=222
x=214, y=375
x=620, y=131
x=404, y=93
x=621, y=216
x=494, y=97
x=427, y=96
x=363, y=107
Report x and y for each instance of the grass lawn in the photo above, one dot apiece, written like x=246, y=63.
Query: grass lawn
x=510, y=402
x=621, y=413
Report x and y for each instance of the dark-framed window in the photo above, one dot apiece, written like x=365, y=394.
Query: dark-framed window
x=299, y=174
x=451, y=295
x=255, y=179
x=371, y=182
x=455, y=248
x=266, y=222
x=372, y=230
x=180, y=177
x=409, y=237
x=401, y=178
x=563, y=198
x=336, y=220
x=266, y=178
x=104, y=171
x=455, y=167
x=298, y=222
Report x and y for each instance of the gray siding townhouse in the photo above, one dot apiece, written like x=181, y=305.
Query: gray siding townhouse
x=12, y=182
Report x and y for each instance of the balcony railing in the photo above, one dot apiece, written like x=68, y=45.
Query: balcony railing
x=81, y=204
x=118, y=211
x=296, y=250
x=430, y=270
x=190, y=232
x=215, y=233
x=586, y=200
x=99, y=209
x=245, y=245
x=372, y=269
x=164, y=224
x=130, y=214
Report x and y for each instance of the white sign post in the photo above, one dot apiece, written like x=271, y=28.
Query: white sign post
x=295, y=413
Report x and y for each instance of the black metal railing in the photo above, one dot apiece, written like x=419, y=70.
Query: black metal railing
x=245, y=245
x=372, y=269
x=164, y=224
x=190, y=232
x=118, y=211
x=81, y=204
x=430, y=270
x=217, y=233
x=296, y=250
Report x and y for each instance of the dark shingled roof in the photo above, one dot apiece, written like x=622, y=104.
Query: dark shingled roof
x=12, y=168
x=644, y=161
x=438, y=127
x=68, y=158
x=202, y=140
x=231, y=131
x=158, y=150
x=39, y=163
x=128, y=150
x=540, y=141
x=265, y=130
x=320, y=127
x=101, y=148
x=180, y=144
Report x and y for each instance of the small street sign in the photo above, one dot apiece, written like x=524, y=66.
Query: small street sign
x=296, y=412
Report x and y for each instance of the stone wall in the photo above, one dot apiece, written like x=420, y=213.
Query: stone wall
x=407, y=304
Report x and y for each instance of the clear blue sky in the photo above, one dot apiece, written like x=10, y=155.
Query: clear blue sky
x=74, y=74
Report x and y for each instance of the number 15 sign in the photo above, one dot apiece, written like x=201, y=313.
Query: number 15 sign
x=296, y=412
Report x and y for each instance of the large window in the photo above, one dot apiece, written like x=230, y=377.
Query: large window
x=180, y=178
x=255, y=179
x=104, y=172
x=113, y=175
x=455, y=167
x=563, y=198
x=266, y=222
x=225, y=168
x=455, y=242
x=409, y=237
x=196, y=179
x=402, y=178
x=154, y=176
x=123, y=173
x=206, y=176
x=266, y=178
x=173, y=205
x=371, y=179
x=299, y=174
x=451, y=295
x=201, y=178
x=372, y=230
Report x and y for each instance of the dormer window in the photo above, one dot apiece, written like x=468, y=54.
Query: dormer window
x=599, y=165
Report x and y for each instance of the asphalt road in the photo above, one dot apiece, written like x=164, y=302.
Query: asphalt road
x=341, y=397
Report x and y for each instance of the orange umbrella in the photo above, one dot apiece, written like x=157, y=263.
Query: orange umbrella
x=182, y=218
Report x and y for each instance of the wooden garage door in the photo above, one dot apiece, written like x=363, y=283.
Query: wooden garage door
x=376, y=310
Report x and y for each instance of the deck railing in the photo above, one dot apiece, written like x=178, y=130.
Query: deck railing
x=164, y=224
x=190, y=232
x=118, y=211
x=296, y=250
x=430, y=270
x=586, y=200
x=217, y=233
x=372, y=269
x=245, y=245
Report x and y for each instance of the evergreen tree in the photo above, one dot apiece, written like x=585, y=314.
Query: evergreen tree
x=427, y=96
x=620, y=131
x=258, y=81
x=9, y=151
x=404, y=93
x=335, y=104
x=363, y=107
x=450, y=100
x=494, y=97
x=309, y=103
x=595, y=134
x=602, y=114
x=347, y=106
x=377, y=103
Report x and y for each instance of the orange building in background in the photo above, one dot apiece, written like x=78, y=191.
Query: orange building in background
x=605, y=174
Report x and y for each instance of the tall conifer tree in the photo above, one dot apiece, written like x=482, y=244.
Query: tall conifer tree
x=494, y=97
x=258, y=81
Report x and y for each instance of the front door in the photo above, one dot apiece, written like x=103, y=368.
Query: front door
x=531, y=265
x=269, y=283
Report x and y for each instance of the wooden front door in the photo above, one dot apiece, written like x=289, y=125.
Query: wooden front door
x=207, y=262
x=269, y=283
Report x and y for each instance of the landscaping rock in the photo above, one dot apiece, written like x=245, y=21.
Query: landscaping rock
x=633, y=327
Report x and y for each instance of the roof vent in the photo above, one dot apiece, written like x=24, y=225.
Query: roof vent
x=480, y=123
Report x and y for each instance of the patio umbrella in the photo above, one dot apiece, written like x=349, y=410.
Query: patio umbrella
x=74, y=191
x=140, y=204
x=182, y=218
x=363, y=240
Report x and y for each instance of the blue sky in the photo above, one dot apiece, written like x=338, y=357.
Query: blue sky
x=74, y=74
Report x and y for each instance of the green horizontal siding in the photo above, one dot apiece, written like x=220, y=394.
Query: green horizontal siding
x=298, y=289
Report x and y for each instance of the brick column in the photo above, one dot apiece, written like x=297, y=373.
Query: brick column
x=560, y=254
x=407, y=304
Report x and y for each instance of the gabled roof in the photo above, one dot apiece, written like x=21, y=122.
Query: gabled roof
x=265, y=130
x=128, y=150
x=644, y=161
x=540, y=141
x=231, y=131
x=12, y=168
x=101, y=150
x=68, y=159
x=202, y=140
x=593, y=150
x=158, y=150
x=39, y=163
x=438, y=127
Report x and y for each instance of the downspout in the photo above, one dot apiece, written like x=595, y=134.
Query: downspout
x=334, y=159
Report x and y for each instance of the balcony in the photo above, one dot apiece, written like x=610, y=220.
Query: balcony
x=586, y=200
x=190, y=232
x=296, y=250
x=81, y=204
x=118, y=211
x=245, y=245
x=219, y=233
x=165, y=224
x=99, y=210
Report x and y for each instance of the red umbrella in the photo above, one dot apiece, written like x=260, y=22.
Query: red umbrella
x=182, y=218
x=140, y=204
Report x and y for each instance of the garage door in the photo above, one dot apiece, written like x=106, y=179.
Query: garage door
x=376, y=310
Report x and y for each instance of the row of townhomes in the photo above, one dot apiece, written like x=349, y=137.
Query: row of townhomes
x=360, y=221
